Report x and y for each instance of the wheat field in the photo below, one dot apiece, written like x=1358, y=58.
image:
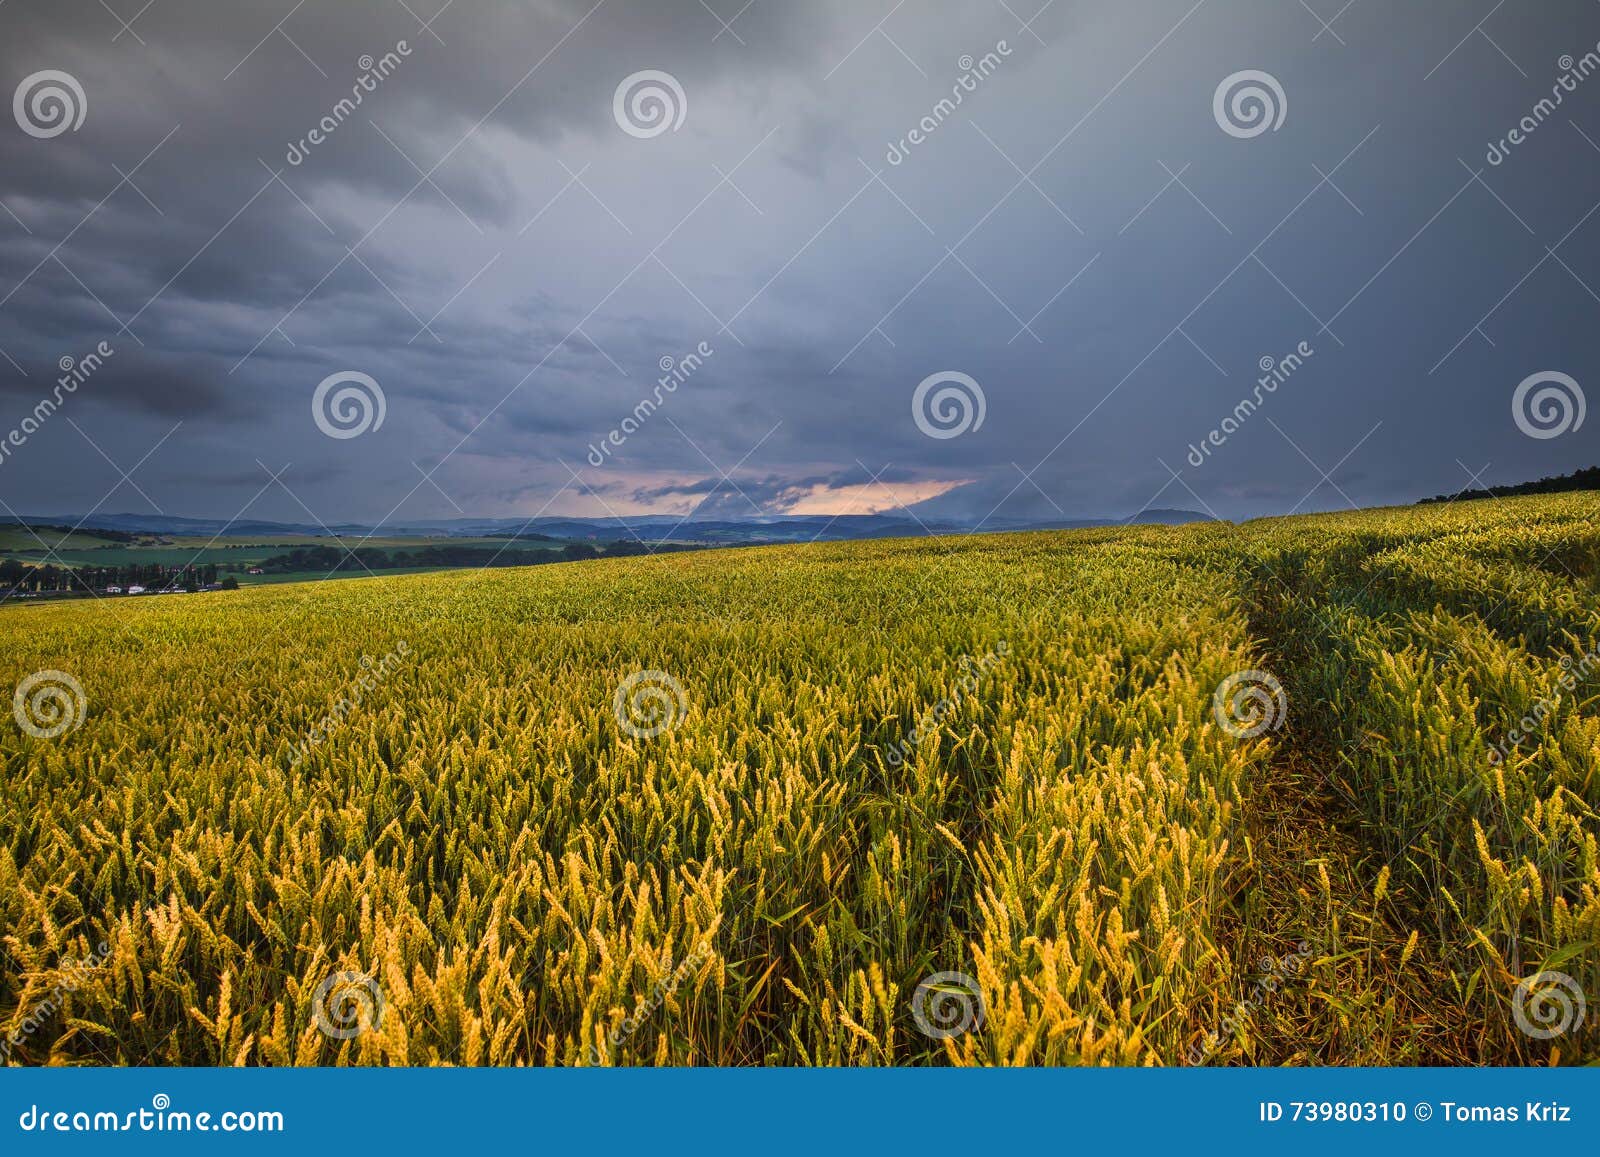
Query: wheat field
x=1319, y=790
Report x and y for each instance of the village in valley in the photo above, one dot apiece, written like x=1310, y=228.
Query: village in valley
x=53, y=561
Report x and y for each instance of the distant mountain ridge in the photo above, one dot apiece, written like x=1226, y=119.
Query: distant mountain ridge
x=646, y=527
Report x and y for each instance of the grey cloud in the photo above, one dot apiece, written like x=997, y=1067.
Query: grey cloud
x=841, y=294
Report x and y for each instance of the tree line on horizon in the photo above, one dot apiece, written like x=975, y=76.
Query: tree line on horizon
x=1587, y=479
x=330, y=559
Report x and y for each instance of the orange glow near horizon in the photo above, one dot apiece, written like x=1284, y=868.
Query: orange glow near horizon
x=873, y=498
x=821, y=499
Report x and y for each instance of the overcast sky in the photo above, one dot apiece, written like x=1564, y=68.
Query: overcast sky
x=509, y=254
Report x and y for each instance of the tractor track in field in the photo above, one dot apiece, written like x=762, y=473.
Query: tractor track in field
x=1333, y=963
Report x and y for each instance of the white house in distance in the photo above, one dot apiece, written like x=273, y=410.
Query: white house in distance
x=136, y=590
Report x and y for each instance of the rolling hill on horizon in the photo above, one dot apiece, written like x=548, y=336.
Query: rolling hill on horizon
x=652, y=527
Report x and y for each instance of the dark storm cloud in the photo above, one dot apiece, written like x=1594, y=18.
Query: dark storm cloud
x=252, y=477
x=143, y=381
x=753, y=497
x=1080, y=236
x=761, y=492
